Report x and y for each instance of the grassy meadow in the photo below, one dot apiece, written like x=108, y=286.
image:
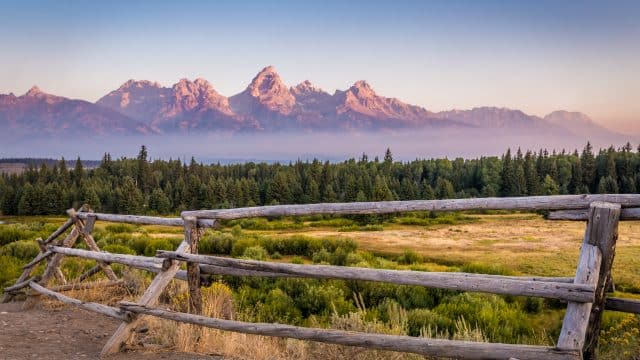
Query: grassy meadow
x=490, y=242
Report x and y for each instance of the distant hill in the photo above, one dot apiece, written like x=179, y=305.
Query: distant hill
x=18, y=165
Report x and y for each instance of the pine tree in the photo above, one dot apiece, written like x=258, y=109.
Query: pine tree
x=444, y=189
x=509, y=182
x=129, y=199
x=549, y=186
x=607, y=185
x=388, y=157
x=381, y=191
x=78, y=172
x=588, y=168
x=159, y=202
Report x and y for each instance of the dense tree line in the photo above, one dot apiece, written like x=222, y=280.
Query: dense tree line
x=138, y=185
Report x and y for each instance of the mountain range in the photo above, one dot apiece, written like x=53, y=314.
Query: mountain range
x=267, y=104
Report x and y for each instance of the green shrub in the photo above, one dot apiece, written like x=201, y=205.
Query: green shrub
x=10, y=270
x=72, y=267
x=368, y=227
x=336, y=222
x=21, y=249
x=421, y=319
x=276, y=256
x=409, y=257
x=157, y=244
x=255, y=253
x=321, y=299
x=481, y=268
x=240, y=245
x=500, y=321
x=119, y=249
x=119, y=228
x=11, y=233
x=139, y=244
x=278, y=307
x=216, y=243
x=533, y=305
x=321, y=256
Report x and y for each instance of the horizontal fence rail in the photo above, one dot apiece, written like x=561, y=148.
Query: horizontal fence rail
x=495, y=284
x=143, y=220
x=532, y=203
x=583, y=215
x=418, y=345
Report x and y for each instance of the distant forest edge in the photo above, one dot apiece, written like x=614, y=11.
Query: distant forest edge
x=140, y=186
x=48, y=161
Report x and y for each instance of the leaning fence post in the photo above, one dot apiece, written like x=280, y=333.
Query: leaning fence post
x=192, y=237
x=606, y=237
x=594, y=266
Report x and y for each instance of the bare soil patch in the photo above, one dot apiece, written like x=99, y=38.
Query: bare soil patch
x=66, y=334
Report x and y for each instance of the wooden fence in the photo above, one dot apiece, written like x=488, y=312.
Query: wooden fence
x=585, y=293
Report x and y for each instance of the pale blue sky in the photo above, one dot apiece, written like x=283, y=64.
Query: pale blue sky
x=537, y=56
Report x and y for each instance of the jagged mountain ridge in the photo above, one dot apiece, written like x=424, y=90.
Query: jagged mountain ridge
x=267, y=104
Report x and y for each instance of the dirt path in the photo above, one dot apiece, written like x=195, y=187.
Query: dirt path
x=65, y=334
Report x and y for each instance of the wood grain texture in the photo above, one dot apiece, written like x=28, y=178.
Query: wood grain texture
x=192, y=237
x=144, y=220
x=443, y=280
x=423, y=346
x=557, y=202
x=600, y=224
x=604, y=236
x=583, y=215
x=624, y=305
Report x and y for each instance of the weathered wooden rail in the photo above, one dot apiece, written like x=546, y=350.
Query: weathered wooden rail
x=585, y=293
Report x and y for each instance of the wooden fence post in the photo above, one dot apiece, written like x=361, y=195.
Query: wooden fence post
x=594, y=267
x=605, y=238
x=192, y=237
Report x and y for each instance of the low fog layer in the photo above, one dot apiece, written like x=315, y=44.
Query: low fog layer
x=405, y=145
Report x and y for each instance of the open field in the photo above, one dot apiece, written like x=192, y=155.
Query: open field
x=525, y=244
x=500, y=243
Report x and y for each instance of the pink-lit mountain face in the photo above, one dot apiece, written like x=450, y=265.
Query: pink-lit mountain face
x=267, y=104
x=37, y=112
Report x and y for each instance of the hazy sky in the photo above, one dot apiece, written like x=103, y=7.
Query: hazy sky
x=537, y=56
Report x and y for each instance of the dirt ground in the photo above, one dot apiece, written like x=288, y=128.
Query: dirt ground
x=66, y=334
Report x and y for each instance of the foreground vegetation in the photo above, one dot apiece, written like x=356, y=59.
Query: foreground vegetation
x=162, y=187
x=494, y=243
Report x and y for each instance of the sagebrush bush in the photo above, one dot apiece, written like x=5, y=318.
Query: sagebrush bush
x=118, y=249
x=21, y=249
x=10, y=269
x=255, y=253
x=498, y=320
x=11, y=233
x=278, y=307
x=409, y=257
x=157, y=244
x=119, y=228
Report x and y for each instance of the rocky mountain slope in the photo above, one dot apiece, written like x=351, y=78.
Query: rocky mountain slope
x=267, y=104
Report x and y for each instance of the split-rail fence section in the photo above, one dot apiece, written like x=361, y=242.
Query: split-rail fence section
x=585, y=294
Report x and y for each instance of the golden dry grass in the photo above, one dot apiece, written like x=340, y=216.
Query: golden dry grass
x=523, y=243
